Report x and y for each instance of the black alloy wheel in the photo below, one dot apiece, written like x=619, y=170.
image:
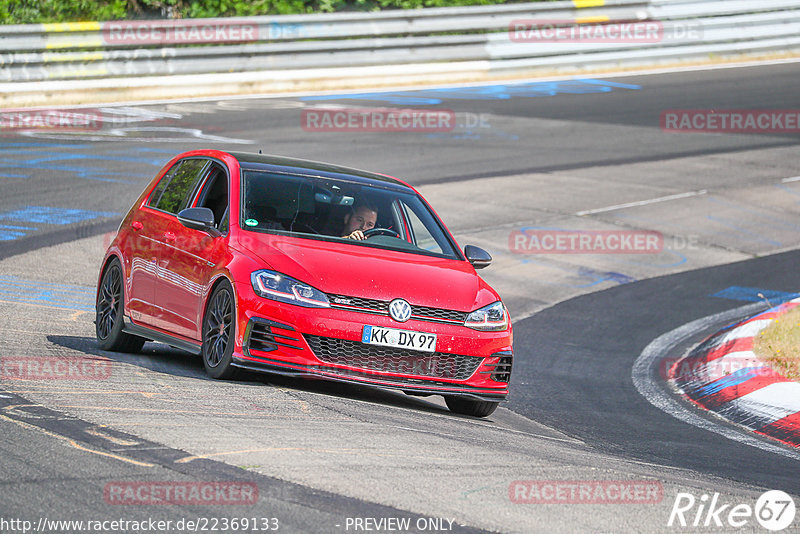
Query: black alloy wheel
x=109, y=313
x=218, y=333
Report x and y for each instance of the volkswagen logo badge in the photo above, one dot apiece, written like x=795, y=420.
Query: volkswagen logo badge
x=400, y=310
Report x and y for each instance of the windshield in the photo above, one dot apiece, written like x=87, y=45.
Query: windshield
x=330, y=209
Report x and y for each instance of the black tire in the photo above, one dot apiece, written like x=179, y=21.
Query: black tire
x=109, y=310
x=219, y=327
x=475, y=408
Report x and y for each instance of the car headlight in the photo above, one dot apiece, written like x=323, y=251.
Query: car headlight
x=277, y=286
x=490, y=318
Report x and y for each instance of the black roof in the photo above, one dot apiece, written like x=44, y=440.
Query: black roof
x=266, y=162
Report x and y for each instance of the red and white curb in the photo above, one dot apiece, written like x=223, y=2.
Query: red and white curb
x=725, y=376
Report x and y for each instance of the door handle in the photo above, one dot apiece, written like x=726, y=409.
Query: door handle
x=137, y=225
x=169, y=236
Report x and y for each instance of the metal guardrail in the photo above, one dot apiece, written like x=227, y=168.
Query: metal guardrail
x=688, y=28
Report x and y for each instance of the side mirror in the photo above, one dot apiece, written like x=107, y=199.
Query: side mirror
x=478, y=257
x=197, y=218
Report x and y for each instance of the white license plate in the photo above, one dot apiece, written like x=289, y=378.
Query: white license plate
x=401, y=339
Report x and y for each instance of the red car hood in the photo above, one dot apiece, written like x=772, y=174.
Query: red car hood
x=360, y=271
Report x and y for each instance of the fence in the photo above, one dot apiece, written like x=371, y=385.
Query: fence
x=482, y=39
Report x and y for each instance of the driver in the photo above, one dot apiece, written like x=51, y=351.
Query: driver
x=358, y=220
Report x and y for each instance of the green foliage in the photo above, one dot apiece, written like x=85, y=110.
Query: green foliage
x=32, y=11
x=36, y=11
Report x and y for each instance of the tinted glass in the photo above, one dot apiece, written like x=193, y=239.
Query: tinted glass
x=214, y=195
x=329, y=209
x=182, y=184
x=420, y=234
x=155, y=196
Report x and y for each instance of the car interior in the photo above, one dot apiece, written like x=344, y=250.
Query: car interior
x=213, y=194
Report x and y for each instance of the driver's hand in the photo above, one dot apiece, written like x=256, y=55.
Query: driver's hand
x=358, y=235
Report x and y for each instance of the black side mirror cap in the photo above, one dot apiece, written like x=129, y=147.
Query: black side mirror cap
x=197, y=218
x=478, y=257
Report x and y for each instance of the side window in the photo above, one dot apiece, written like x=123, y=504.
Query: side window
x=177, y=193
x=419, y=232
x=155, y=196
x=214, y=195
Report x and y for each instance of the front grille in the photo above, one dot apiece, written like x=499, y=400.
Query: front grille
x=343, y=301
x=392, y=360
x=381, y=307
x=261, y=336
x=424, y=312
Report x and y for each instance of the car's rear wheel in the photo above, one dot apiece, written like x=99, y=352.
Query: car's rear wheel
x=109, y=310
x=218, y=333
x=475, y=408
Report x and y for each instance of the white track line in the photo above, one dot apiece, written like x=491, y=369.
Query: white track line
x=646, y=382
x=643, y=202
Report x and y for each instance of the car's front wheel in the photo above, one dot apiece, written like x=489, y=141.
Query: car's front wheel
x=218, y=333
x=475, y=408
x=109, y=309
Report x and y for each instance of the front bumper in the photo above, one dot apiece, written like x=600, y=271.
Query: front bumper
x=325, y=343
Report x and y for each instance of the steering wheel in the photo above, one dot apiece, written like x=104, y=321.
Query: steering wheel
x=380, y=231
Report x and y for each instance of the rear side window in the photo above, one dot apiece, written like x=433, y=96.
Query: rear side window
x=179, y=184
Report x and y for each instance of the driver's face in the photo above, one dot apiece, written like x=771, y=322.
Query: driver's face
x=362, y=219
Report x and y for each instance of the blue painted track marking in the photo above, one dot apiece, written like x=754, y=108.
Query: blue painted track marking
x=6, y=235
x=43, y=215
x=38, y=156
x=734, y=379
x=586, y=277
x=10, y=232
x=60, y=295
x=432, y=97
x=750, y=294
x=49, y=215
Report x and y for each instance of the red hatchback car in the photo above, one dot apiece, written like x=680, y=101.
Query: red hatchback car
x=302, y=268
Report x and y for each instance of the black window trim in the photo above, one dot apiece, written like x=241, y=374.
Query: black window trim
x=194, y=190
x=206, y=171
x=210, y=161
x=457, y=255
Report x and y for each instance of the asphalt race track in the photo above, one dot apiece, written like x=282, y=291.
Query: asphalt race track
x=600, y=403
x=540, y=156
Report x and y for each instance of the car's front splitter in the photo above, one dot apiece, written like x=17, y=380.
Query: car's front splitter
x=408, y=385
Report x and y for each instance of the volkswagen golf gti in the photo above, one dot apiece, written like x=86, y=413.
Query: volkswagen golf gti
x=303, y=268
